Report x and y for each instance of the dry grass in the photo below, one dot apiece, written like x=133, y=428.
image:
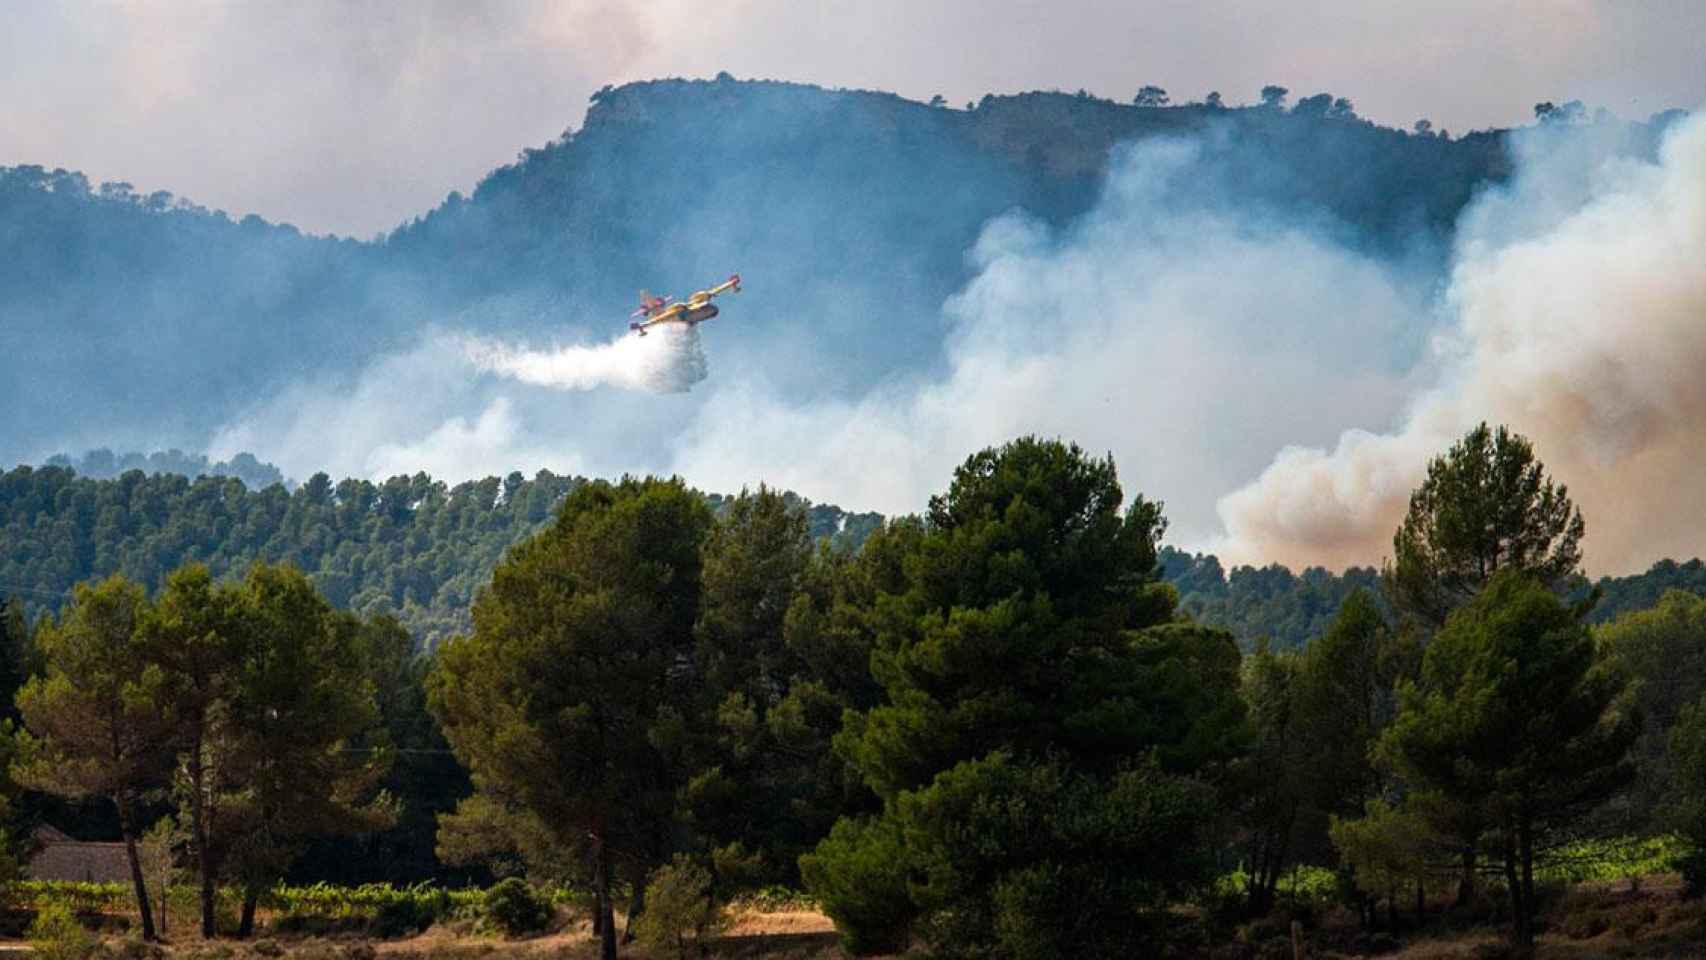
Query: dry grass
x=1595, y=921
x=754, y=934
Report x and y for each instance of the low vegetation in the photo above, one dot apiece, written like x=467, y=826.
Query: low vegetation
x=990, y=731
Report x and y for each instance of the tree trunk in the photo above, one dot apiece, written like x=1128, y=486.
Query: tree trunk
x=1466, y=882
x=1522, y=929
x=1421, y=902
x=1260, y=902
x=1267, y=860
x=198, y=835
x=606, y=914
x=636, y=906
x=1392, y=909
x=1525, y=850
x=246, y=925
x=127, y=827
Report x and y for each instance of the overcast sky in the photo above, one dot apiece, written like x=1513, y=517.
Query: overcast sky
x=352, y=117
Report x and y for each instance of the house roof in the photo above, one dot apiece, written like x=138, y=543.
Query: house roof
x=48, y=833
x=59, y=857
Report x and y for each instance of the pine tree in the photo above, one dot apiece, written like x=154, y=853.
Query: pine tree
x=560, y=702
x=99, y=719
x=1520, y=720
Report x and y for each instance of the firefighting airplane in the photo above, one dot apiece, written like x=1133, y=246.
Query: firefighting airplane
x=696, y=309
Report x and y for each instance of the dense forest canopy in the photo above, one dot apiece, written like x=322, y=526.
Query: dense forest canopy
x=410, y=546
x=419, y=548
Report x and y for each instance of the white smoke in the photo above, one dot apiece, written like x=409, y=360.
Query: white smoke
x=668, y=359
x=1187, y=339
x=428, y=408
x=1191, y=340
x=1578, y=301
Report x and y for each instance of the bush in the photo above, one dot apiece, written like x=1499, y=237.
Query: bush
x=303, y=925
x=1033, y=859
x=776, y=899
x=1584, y=925
x=1692, y=866
x=514, y=908
x=133, y=947
x=1632, y=918
x=681, y=908
x=403, y=918
x=858, y=874
x=56, y=934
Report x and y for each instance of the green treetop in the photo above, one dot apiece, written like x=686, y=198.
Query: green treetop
x=562, y=701
x=1043, y=723
x=1519, y=720
x=1486, y=506
x=99, y=719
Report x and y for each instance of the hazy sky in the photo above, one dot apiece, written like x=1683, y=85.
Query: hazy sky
x=351, y=117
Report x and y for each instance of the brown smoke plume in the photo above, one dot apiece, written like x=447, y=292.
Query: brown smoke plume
x=1582, y=327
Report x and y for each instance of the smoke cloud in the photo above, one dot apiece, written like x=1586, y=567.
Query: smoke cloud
x=1181, y=330
x=1278, y=386
x=1578, y=317
x=461, y=407
x=668, y=359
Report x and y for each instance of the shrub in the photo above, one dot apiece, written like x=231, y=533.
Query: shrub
x=1584, y=925
x=858, y=874
x=681, y=908
x=513, y=907
x=224, y=916
x=1024, y=859
x=403, y=918
x=1692, y=866
x=776, y=899
x=303, y=924
x=1630, y=919
x=133, y=947
x=56, y=934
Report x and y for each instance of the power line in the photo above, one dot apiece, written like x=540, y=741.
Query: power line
x=15, y=587
x=408, y=750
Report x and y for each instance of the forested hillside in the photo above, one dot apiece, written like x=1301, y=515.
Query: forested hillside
x=410, y=546
x=1289, y=609
x=103, y=464
x=419, y=548
x=152, y=322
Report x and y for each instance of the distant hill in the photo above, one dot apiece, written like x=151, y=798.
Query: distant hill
x=137, y=320
x=420, y=548
x=1289, y=609
x=411, y=546
x=103, y=464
